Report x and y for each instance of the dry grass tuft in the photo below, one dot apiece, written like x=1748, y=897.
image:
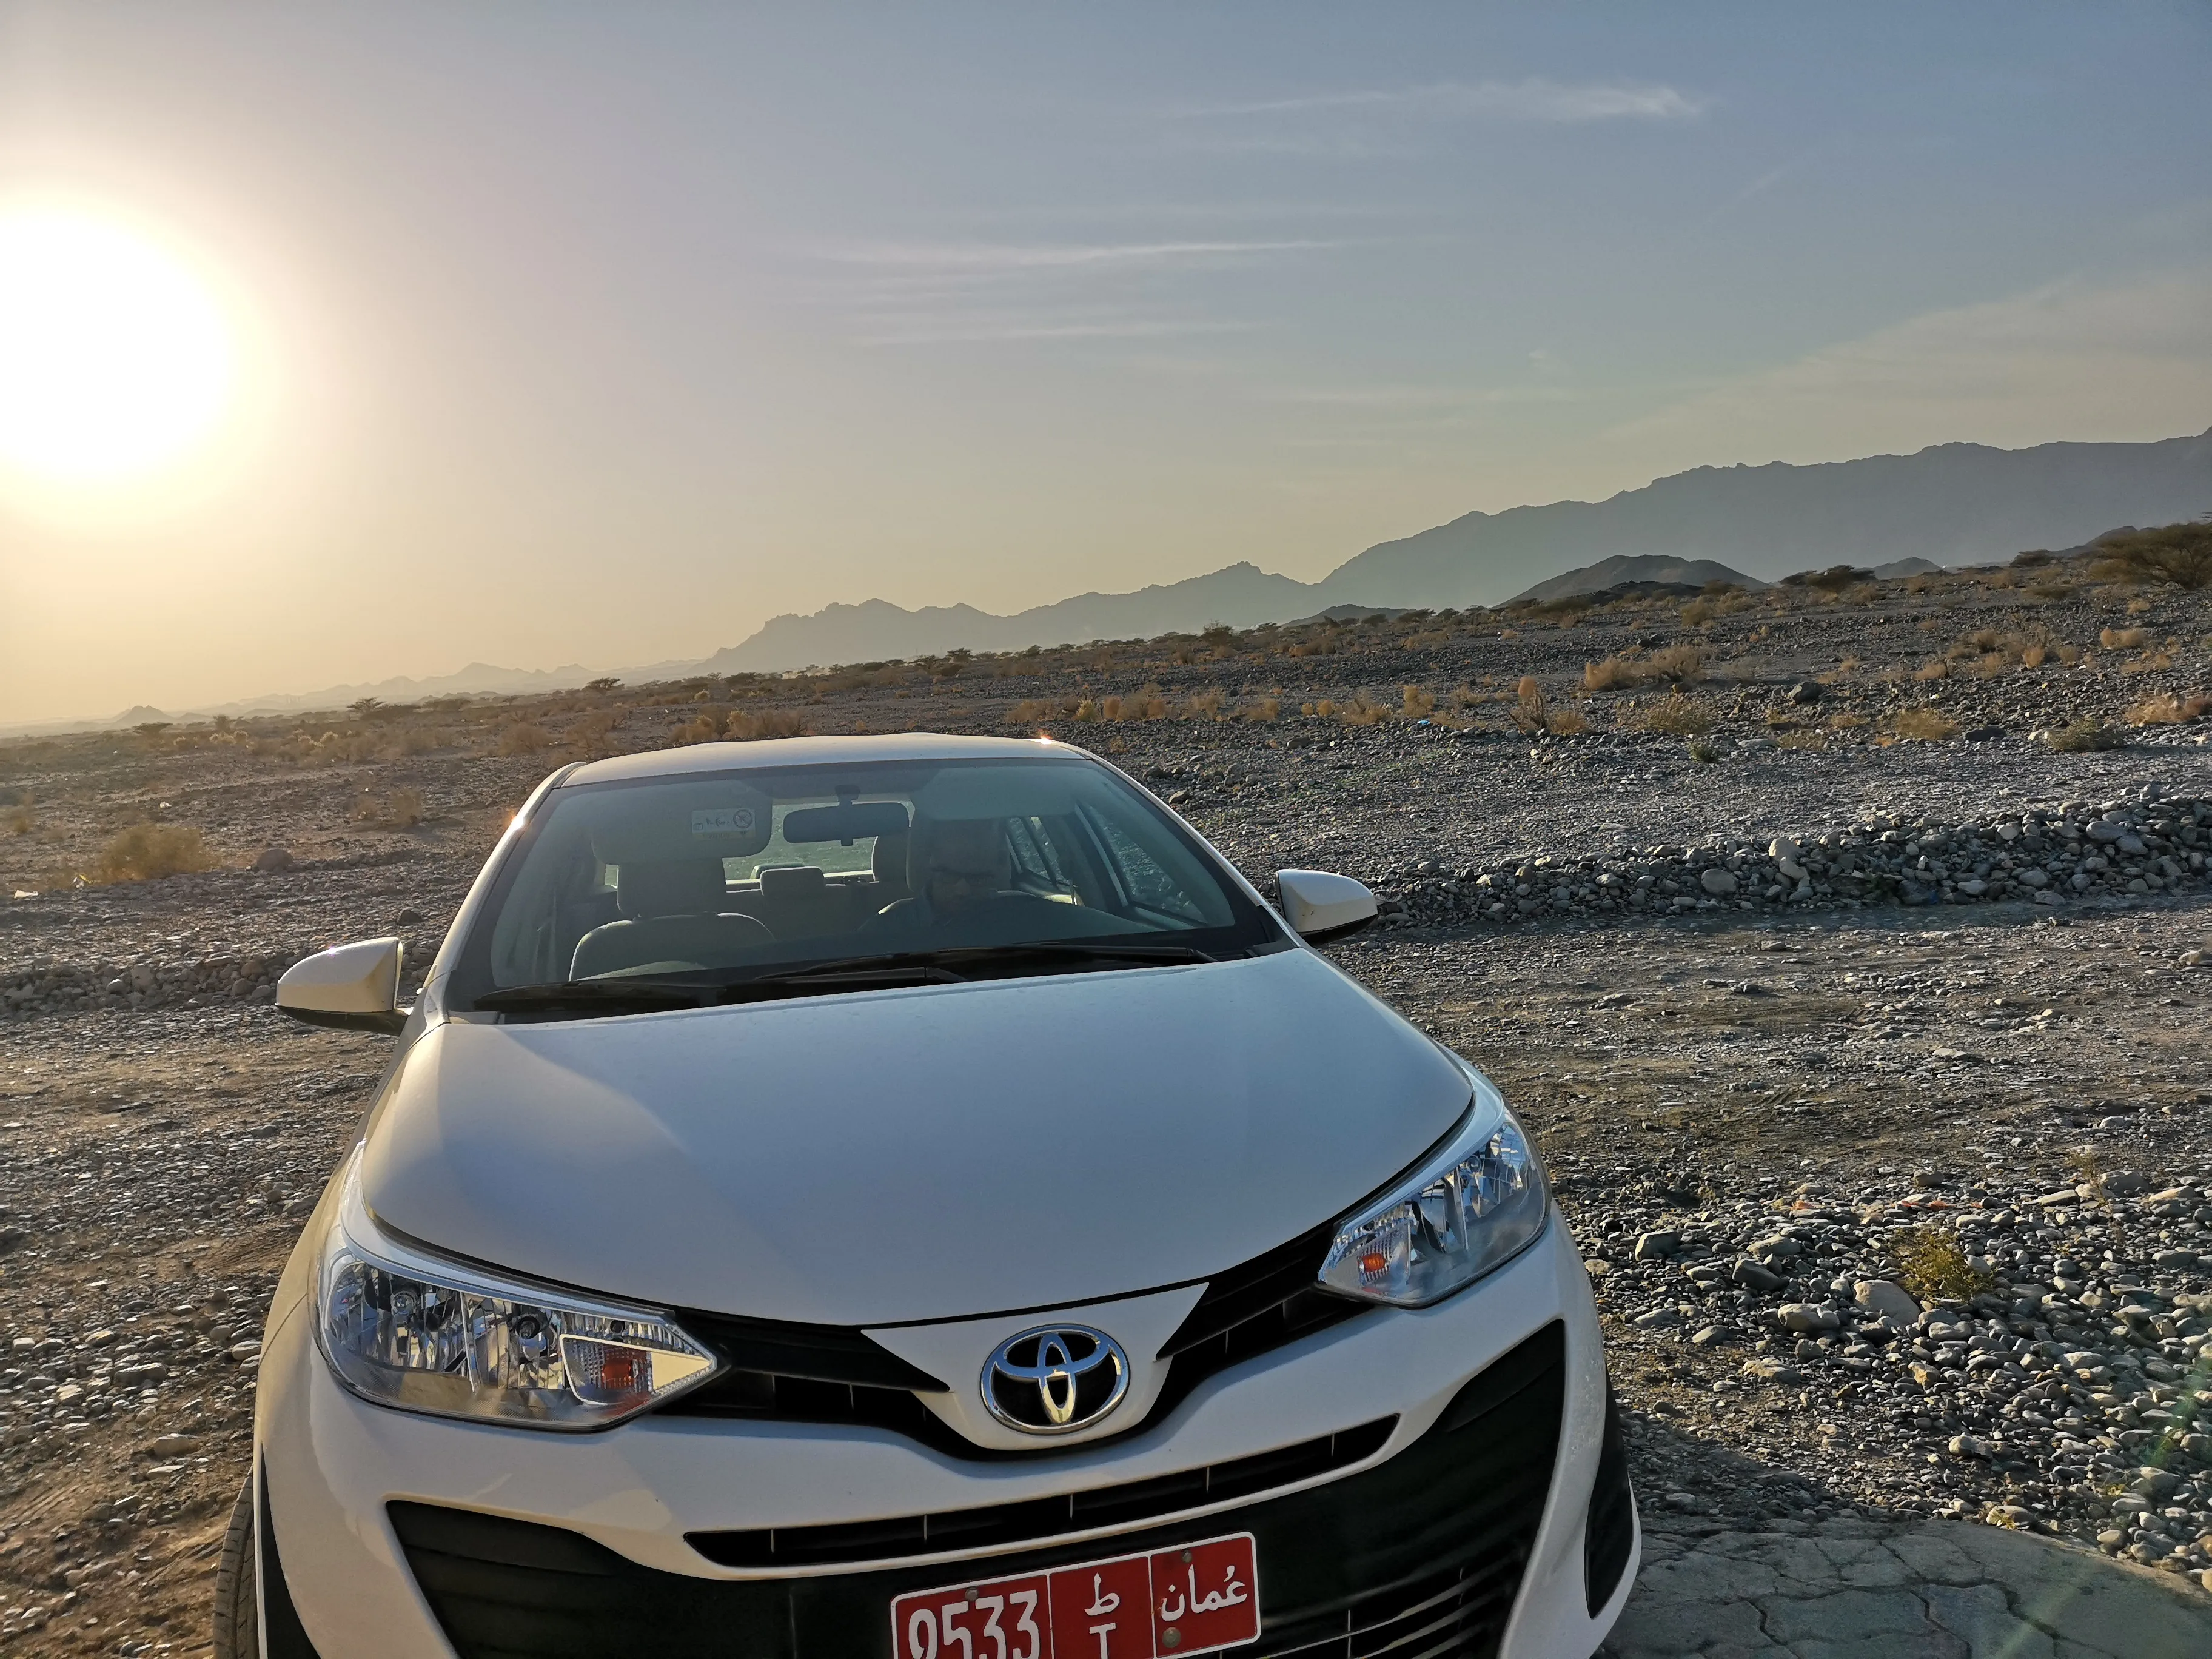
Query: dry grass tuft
x=1264, y=710
x=1418, y=702
x=1923, y=725
x=147, y=851
x=1566, y=723
x=2166, y=708
x=1679, y=716
x=744, y=727
x=2086, y=736
x=1934, y=1266
x=2123, y=639
x=522, y=739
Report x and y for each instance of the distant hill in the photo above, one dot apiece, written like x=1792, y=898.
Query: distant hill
x=1636, y=568
x=875, y=631
x=1894, y=515
x=1952, y=504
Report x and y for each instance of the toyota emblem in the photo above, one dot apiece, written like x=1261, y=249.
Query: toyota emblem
x=1055, y=1379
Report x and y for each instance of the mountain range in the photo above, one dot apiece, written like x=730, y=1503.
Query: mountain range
x=1948, y=505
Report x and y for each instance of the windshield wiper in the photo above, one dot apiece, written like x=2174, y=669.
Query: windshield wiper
x=950, y=965
x=612, y=995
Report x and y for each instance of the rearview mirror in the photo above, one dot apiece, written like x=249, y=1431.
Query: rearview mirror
x=350, y=987
x=1321, y=907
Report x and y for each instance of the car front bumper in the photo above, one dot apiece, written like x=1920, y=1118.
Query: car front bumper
x=1465, y=1533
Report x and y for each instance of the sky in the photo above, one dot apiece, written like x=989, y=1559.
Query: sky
x=540, y=334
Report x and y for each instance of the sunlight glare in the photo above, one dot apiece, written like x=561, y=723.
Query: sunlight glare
x=115, y=359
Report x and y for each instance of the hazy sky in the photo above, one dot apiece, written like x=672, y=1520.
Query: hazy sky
x=602, y=334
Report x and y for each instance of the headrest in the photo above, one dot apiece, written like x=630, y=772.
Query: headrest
x=790, y=880
x=675, y=887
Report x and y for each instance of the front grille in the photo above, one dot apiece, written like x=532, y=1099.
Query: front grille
x=1420, y=1557
x=792, y=1373
x=953, y=1531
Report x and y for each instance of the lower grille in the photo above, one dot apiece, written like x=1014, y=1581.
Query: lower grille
x=1420, y=1557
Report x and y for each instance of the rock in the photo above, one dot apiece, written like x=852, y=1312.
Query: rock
x=1773, y=1370
x=1658, y=1319
x=1779, y=1248
x=174, y=1445
x=1752, y=1277
x=1808, y=1318
x=1719, y=883
x=1657, y=1246
x=409, y=914
x=274, y=861
x=1886, y=1300
x=1806, y=691
x=1966, y=1445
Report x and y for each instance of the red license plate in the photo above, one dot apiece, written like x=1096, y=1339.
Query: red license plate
x=1196, y=1598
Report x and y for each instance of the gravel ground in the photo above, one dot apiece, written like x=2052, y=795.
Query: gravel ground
x=1755, y=1115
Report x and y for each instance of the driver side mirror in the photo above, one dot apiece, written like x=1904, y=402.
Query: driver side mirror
x=1321, y=907
x=349, y=988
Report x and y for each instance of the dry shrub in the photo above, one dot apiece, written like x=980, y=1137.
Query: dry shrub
x=1205, y=706
x=744, y=727
x=1614, y=674
x=1699, y=613
x=1679, y=716
x=1528, y=714
x=1802, y=740
x=1030, y=710
x=705, y=729
x=522, y=739
x=1364, y=710
x=1084, y=710
x=2166, y=708
x=2085, y=736
x=1111, y=709
x=1263, y=709
x=1934, y=1266
x=1845, y=721
x=2178, y=553
x=1566, y=723
x=19, y=820
x=1923, y=725
x=401, y=810
x=147, y=851
x=2122, y=639
x=2035, y=655
x=1935, y=668
x=1418, y=702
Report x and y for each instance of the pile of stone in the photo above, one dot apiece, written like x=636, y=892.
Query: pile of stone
x=2045, y=854
x=2070, y=1391
x=42, y=987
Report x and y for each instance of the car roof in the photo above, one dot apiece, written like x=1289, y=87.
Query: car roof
x=811, y=751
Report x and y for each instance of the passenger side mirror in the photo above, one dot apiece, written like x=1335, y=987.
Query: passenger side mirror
x=350, y=987
x=1321, y=907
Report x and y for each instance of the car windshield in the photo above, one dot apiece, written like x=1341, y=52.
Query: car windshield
x=718, y=877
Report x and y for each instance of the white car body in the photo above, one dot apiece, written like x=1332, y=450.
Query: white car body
x=931, y=1169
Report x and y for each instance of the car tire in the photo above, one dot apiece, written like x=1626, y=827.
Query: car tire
x=237, y=1602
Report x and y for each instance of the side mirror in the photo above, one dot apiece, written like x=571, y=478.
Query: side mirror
x=1321, y=907
x=350, y=987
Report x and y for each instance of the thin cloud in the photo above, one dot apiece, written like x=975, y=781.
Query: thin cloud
x=1532, y=100
x=989, y=332
x=1057, y=256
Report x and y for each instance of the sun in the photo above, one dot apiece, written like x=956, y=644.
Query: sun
x=116, y=360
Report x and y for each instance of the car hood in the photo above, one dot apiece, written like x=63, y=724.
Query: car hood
x=913, y=1154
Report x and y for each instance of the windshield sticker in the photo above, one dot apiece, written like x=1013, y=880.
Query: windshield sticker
x=723, y=821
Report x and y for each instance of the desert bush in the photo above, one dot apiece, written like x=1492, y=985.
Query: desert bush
x=1923, y=725
x=1364, y=710
x=2035, y=655
x=2166, y=708
x=401, y=810
x=1085, y=710
x=1802, y=740
x=522, y=739
x=1935, y=668
x=1934, y=1266
x=1418, y=702
x=1703, y=750
x=1614, y=674
x=1263, y=709
x=1566, y=723
x=2085, y=736
x=1699, y=613
x=1205, y=706
x=2178, y=554
x=1678, y=716
x=1845, y=720
x=2122, y=639
x=746, y=726
x=147, y=851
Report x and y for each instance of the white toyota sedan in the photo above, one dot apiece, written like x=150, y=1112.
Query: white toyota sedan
x=910, y=1198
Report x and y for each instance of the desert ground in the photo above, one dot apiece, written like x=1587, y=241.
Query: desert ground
x=1847, y=945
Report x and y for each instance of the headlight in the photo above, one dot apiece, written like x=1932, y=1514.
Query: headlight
x=1476, y=1204
x=403, y=1329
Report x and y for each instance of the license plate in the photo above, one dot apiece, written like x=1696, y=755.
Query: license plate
x=1195, y=1598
